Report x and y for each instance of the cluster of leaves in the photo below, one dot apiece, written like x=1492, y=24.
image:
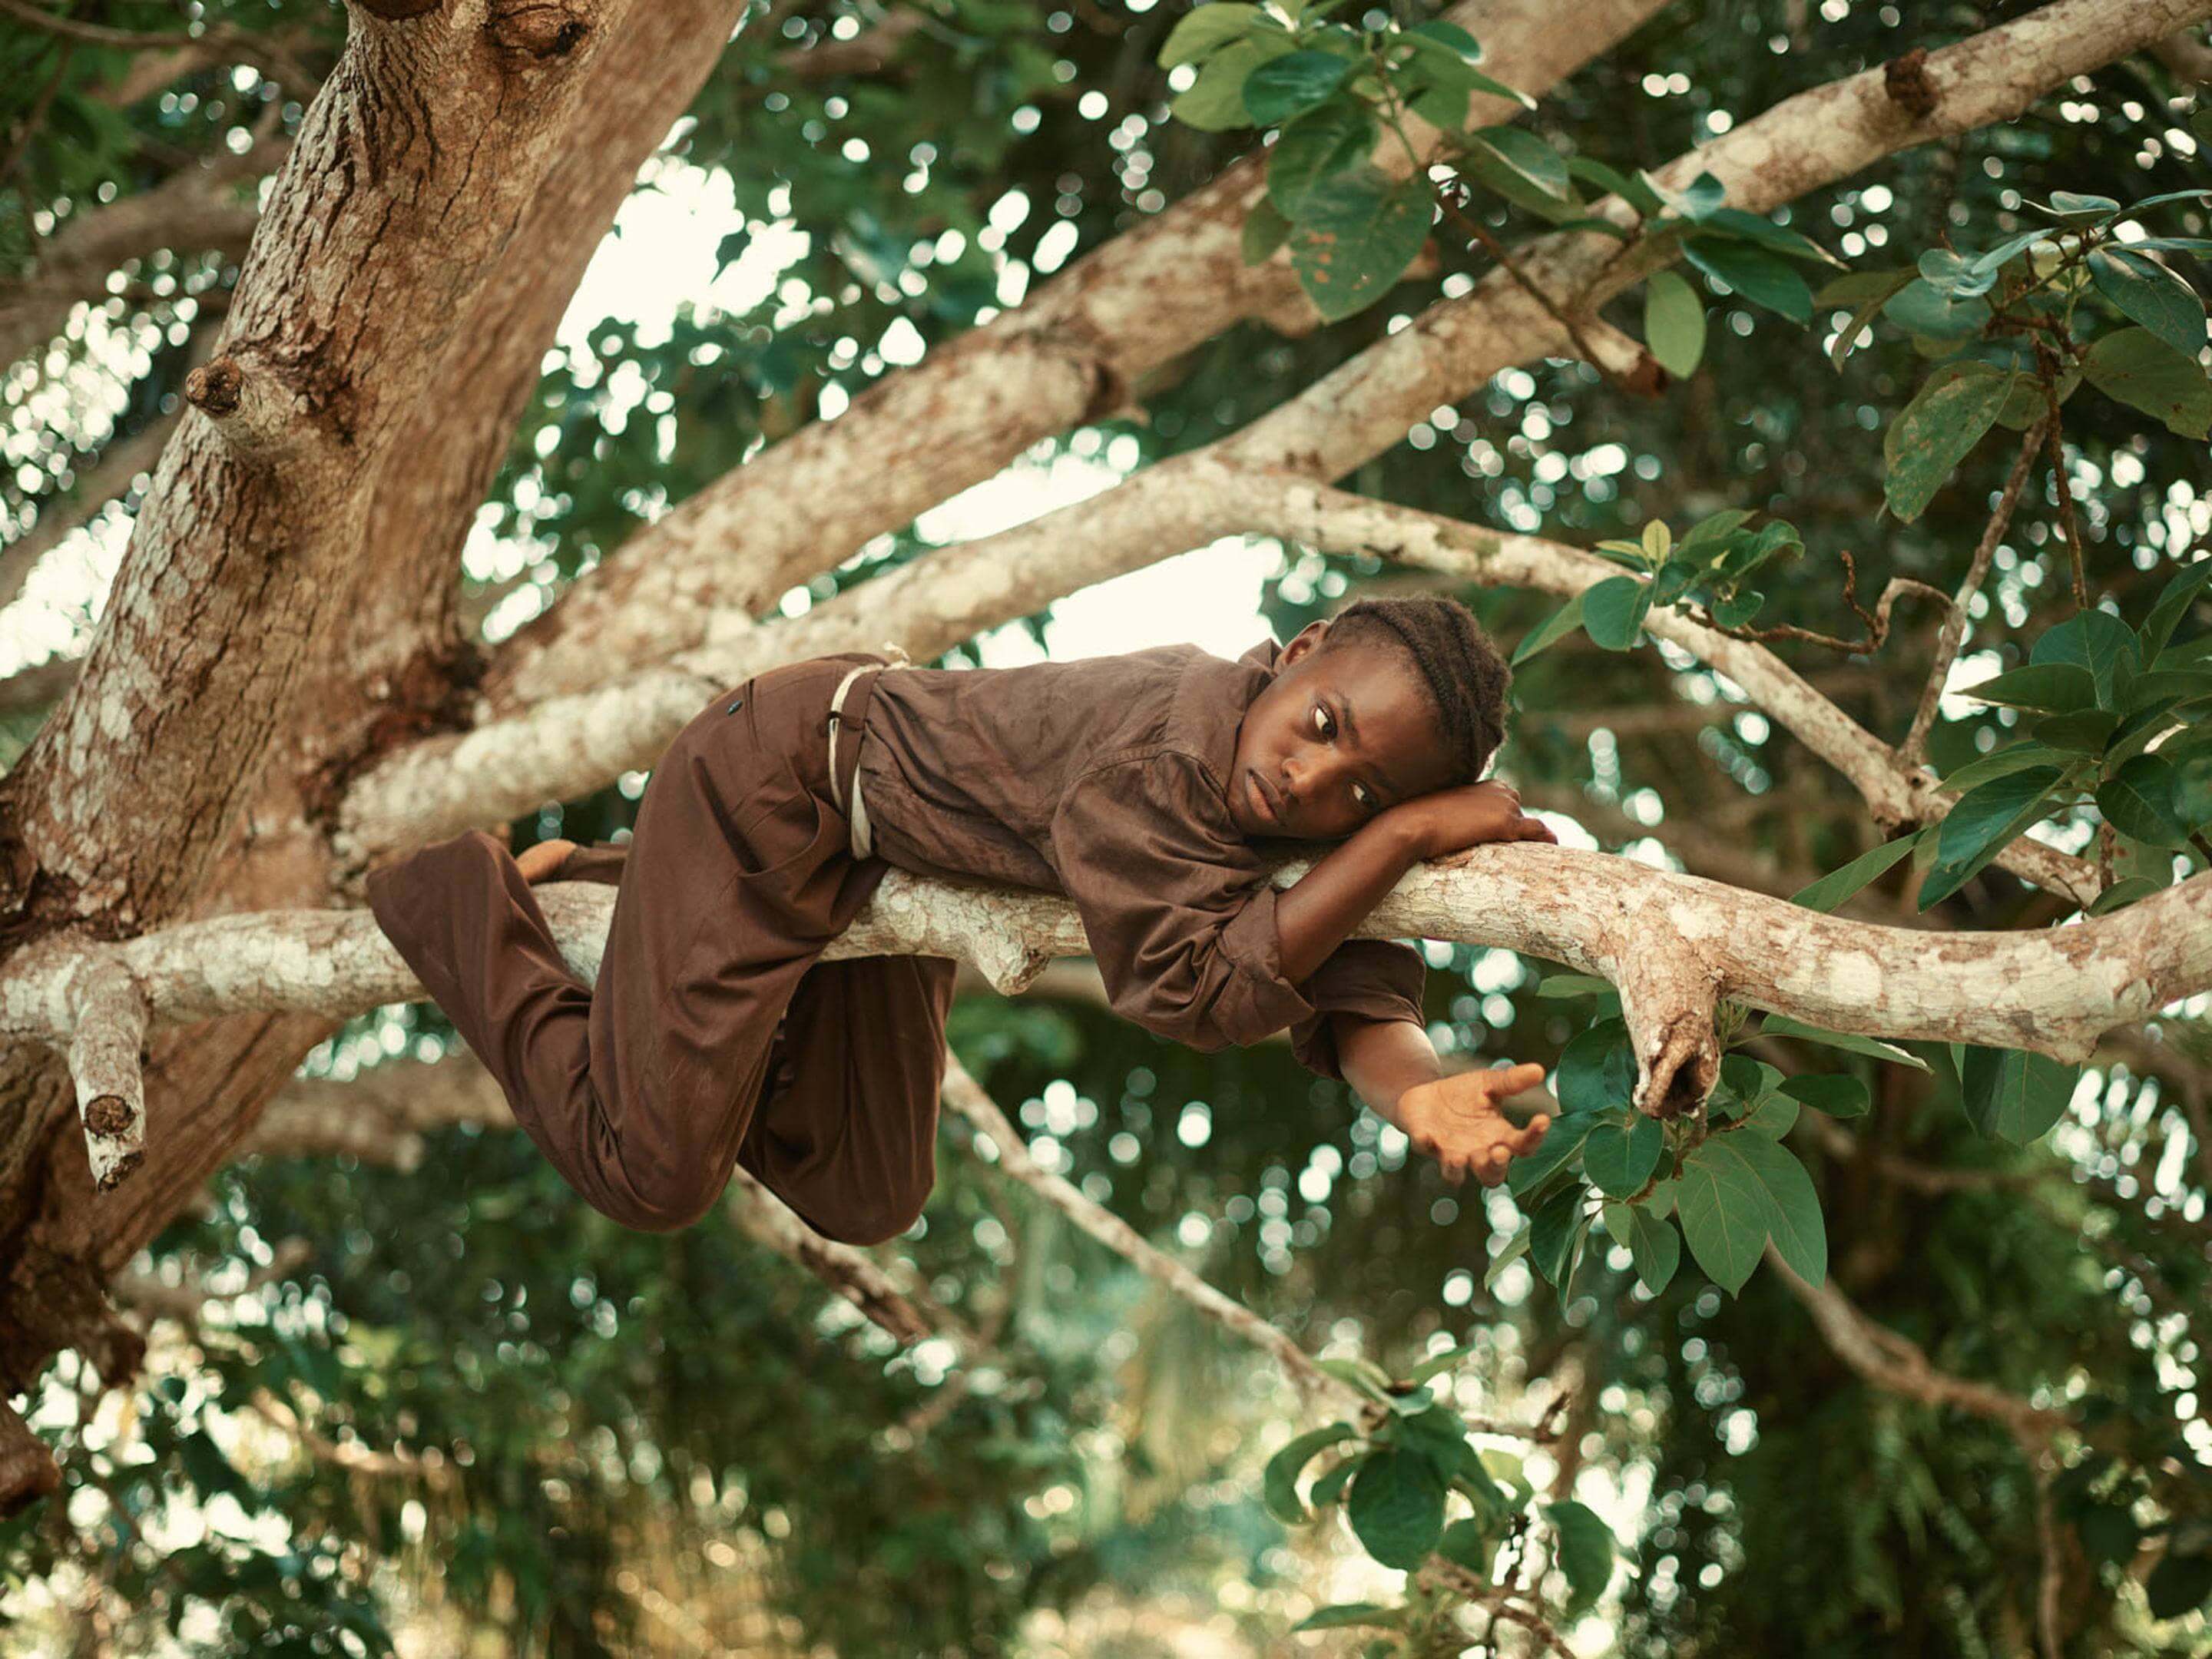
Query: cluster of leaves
x=1707, y=568
x=2014, y=340
x=1398, y=1470
x=1329, y=90
x=2103, y=694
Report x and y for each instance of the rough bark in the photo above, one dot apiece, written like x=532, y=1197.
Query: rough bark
x=1070, y=353
x=1674, y=943
x=372, y=288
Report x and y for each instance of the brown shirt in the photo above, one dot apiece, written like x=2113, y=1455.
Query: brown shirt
x=1106, y=779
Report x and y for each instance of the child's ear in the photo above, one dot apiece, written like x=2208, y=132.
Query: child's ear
x=1302, y=642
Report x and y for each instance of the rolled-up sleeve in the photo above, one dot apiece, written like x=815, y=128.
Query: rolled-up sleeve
x=1180, y=915
x=1369, y=978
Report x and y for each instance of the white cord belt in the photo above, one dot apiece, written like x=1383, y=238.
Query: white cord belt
x=863, y=842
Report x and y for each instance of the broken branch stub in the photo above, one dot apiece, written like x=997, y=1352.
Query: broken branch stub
x=108, y=1014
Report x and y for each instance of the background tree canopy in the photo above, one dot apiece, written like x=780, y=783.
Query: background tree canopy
x=402, y=1383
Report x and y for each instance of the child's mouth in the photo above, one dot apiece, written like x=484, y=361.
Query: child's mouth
x=1258, y=791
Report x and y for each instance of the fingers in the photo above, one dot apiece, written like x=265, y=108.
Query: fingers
x=1532, y=1136
x=1513, y=1079
x=1537, y=830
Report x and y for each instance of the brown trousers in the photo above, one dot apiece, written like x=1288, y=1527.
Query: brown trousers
x=714, y=1036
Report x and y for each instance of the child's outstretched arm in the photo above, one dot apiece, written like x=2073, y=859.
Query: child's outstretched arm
x=1391, y=1064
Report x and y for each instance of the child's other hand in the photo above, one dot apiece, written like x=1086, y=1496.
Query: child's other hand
x=1451, y=821
x=1457, y=1121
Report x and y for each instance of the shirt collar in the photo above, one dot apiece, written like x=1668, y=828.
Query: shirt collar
x=1211, y=703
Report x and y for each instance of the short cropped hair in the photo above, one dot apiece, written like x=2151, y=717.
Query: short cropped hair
x=1466, y=674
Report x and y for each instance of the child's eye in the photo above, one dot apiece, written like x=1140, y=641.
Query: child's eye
x=1365, y=797
x=1324, y=723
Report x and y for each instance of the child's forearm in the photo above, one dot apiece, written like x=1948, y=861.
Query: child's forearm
x=1380, y=1059
x=1318, y=912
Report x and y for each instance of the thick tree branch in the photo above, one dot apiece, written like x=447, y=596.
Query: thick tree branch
x=1674, y=943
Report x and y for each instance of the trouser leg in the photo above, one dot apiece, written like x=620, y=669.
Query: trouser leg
x=639, y=1090
x=847, y=1133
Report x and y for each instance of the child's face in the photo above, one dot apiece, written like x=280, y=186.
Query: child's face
x=1344, y=730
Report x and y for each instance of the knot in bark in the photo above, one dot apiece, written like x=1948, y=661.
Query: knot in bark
x=1906, y=82
x=536, y=33
x=215, y=385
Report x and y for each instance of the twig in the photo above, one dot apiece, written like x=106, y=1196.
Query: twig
x=2047, y=366
x=2047, y=1533
x=1954, y=625
x=1635, y=385
x=1876, y=625
x=33, y=118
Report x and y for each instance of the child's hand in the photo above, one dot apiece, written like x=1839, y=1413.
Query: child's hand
x=1455, y=1121
x=1447, y=822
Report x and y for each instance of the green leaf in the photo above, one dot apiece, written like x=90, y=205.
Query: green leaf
x=2004, y=252
x=1554, y=1232
x=1614, y=610
x=1508, y=1253
x=2060, y=688
x=1531, y=1173
x=1397, y=1507
x=1673, y=323
x=1776, y=1117
x=1850, y=1042
x=1585, y=1554
x=2140, y=800
x=1765, y=232
x=1723, y=1208
x=1919, y=309
x=1983, y=823
x=1955, y=274
x=2075, y=208
x=1620, y=1157
x=1878, y=296
x=1279, y=1483
x=2009, y=1092
x=1207, y=30
x=2084, y=733
x=1706, y=192
x=1332, y=140
x=1357, y=232
x=1437, y=1363
x=1597, y=1069
x=1656, y=1247
x=1560, y=623
x=1634, y=192
x=2144, y=372
x=1265, y=230
x=1857, y=287
x=2146, y=292
x=1573, y=985
x=1840, y=1097
x=2015, y=757
x=2173, y=602
x=1454, y=38
x=1528, y=156
x=1215, y=101
x=1282, y=89
x=1837, y=885
x=2122, y=894
x=1758, y=275
x=2095, y=641
x=1344, y=1615
x=1936, y=430
x=1793, y=1218
x=1364, y=1375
